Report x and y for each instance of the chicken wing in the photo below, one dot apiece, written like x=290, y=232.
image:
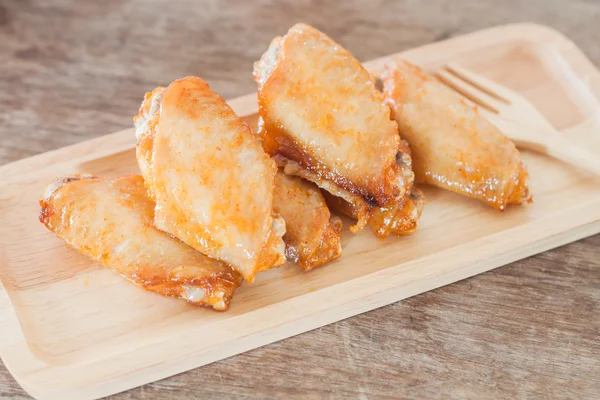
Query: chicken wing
x=321, y=114
x=399, y=217
x=312, y=234
x=452, y=146
x=211, y=180
x=111, y=221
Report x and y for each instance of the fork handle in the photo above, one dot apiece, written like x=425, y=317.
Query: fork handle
x=550, y=142
x=562, y=149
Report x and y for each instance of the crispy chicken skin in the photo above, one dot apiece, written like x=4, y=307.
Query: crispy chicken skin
x=211, y=180
x=111, y=221
x=319, y=109
x=452, y=146
x=399, y=217
x=312, y=234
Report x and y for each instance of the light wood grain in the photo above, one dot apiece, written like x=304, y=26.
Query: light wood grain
x=75, y=70
x=87, y=333
x=520, y=120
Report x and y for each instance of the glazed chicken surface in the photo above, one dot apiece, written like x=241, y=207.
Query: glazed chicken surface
x=452, y=146
x=111, y=221
x=211, y=180
x=323, y=119
x=216, y=203
x=312, y=234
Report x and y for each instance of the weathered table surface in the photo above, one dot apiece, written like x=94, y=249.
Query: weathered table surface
x=73, y=70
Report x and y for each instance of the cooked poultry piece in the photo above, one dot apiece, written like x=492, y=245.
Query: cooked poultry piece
x=398, y=218
x=402, y=216
x=312, y=234
x=211, y=180
x=322, y=116
x=452, y=146
x=111, y=221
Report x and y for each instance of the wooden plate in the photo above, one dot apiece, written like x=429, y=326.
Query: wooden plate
x=72, y=329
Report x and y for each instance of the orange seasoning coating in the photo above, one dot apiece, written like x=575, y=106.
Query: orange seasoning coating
x=320, y=110
x=452, y=146
x=111, y=221
x=312, y=236
x=211, y=180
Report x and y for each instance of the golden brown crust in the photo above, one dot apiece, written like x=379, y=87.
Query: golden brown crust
x=452, y=146
x=277, y=142
x=111, y=222
x=321, y=110
x=192, y=146
x=47, y=211
x=361, y=208
x=312, y=234
x=329, y=247
x=398, y=218
x=520, y=190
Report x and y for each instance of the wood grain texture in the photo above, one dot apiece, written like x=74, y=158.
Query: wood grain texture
x=74, y=70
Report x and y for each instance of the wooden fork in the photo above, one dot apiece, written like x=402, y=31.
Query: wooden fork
x=517, y=118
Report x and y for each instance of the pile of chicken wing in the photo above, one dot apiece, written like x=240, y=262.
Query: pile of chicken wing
x=217, y=203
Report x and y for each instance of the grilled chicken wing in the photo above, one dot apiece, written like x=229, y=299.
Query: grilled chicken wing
x=111, y=221
x=399, y=217
x=211, y=180
x=322, y=116
x=452, y=146
x=402, y=216
x=312, y=234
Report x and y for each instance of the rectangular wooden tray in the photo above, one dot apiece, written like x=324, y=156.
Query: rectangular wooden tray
x=72, y=329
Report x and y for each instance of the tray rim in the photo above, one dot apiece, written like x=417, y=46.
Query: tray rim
x=124, y=140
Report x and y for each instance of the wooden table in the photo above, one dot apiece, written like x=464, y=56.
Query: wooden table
x=73, y=70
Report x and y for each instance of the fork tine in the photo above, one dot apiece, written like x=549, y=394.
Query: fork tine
x=468, y=91
x=483, y=111
x=485, y=85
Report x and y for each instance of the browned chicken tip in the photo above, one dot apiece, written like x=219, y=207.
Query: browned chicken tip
x=312, y=234
x=452, y=146
x=323, y=119
x=111, y=221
